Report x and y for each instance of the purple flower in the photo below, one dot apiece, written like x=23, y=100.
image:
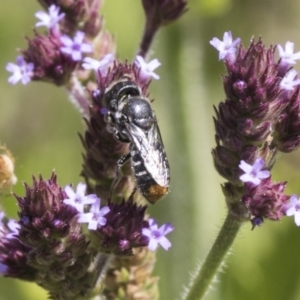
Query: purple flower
x=146, y=69
x=21, y=71
x=75, y=47
x=253, y=173
x=157, y=235
x=227, y=46
x=49, y=19
x=14, y=228
x=288, y=56
x=256, y=221
x=288, y=82
x=78, y=199
x=293, y=209
x=98, y=65
x=95, y=216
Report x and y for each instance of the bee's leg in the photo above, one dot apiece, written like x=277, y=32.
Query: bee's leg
x=120, y=163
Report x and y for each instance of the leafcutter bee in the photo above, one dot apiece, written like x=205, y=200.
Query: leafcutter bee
x=131, y=119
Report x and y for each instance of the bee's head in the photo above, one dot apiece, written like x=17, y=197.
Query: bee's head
x=119, y=91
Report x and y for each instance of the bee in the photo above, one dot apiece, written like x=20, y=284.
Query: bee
x=131, y=119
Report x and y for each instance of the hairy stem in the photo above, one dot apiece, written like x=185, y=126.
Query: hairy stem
x=216, y=256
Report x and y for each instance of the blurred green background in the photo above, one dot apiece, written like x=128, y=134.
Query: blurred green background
x=39, y=125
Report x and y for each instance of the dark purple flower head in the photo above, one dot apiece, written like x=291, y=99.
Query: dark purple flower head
x=266, y=200
x=13, y=259
x=43, y=212
x=159, y=13
x=50, y=64
x=260, y=112
x=260, y=117
x=13, y=253
x=50, y=247
x=123, y=229
x=157, y=235
x=164, y=11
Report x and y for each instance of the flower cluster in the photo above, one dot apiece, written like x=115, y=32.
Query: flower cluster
x=70, y=241
x=259, y=118
x=49, y=242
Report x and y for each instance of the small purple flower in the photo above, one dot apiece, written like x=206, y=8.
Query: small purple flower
x=14, y=228
x=78, y=199
x=75, y=47
x=256, y=221
x=98, y=65
x=293, y=209
x=146, y=69
x=288, y=56
x=95, y=216
x=288, y=82
x=21, y=71
x=49, y=19
x=157, y=235
x=253, y=173
x=227, y=46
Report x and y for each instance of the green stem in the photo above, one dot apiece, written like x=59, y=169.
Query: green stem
x=216, y=256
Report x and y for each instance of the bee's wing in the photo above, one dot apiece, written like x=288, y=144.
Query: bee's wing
x=150, y=146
